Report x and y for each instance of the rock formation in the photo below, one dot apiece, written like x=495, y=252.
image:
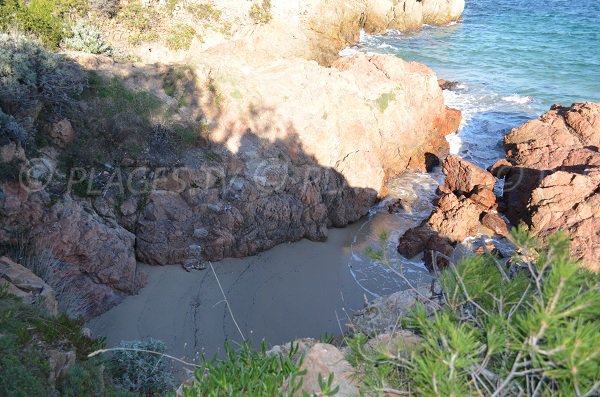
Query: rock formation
x=24, y=284
x=467, y=206
x=554, y=183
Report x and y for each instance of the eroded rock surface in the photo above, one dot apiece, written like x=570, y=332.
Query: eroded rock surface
x=23, y=283
x=467, y=206
x=555, y=181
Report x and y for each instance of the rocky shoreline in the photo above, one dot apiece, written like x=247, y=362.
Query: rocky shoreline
x=550, y=184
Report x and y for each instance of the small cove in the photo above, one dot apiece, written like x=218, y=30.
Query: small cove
x=513, y=59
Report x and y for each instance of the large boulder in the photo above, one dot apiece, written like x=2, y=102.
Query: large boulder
x=463, y=176
x=323, y=360
x=554, y=183
x=455, y=218
x=23, y=283
x=91, y=248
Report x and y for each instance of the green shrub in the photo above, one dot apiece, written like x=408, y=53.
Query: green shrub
x=180, y=37
x=30, y=74
x=89, y=379
x=204, y=12
x=141, y=371
x=137, y=17
x=26, y=335
x=261, y=14
x=246, y=372
x=46, y=19
x=88, y=39
x=11, y=130
x=505, y=330
x=23, y=371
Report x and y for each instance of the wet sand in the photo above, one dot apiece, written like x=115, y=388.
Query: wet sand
x=302, y=289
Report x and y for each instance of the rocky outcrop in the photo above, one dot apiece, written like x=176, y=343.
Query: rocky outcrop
x=93, y=254
x=467, y=206
x=24, y=284
x=319, y=29
x=320, y=362
x=554, y=181
x=290, y=169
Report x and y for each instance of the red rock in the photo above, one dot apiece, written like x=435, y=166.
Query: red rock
x=435, y=246
x=97, y=250
x=500, y=168
x=463, y=176
x=455, y=218
x=484, y=197
x=61, y=133
x=495, y=223
x=447, y=85
x=556, y=184
x=414, y=240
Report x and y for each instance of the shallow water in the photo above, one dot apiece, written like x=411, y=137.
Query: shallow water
x=514, y=58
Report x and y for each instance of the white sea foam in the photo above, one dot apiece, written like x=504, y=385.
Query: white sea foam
x=515, y=98
x=348, y=52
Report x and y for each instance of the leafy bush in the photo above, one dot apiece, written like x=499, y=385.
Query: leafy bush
x=261, y=14
x=137, y=17
x=88, y=39
x=23, y=371
x=89, y=379
x=247, y=372
x=180, y=37
x=140, y=371
x=11, y=130
x=527, y=328
x=26, y=334
x=30, y=74
x=46, y=19
x=204, y=12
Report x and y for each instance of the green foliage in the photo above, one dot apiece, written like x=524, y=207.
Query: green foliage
x=140, y=21
x=89, y=378
x=504, y=330
x=29, y=75
x=45, y=19
x=246, y=372
x=11, y=130
x=138, y=370
x=88, y=39
x=180, y=37
x=118, y=98
x=204, y=12
x=261, y=14
x=326, y=386
x=23, y=371
x=171, y=6
x=384, y=101
x=26, y=334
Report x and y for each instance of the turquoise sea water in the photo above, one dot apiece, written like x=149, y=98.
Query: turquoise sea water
x=514, y=59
